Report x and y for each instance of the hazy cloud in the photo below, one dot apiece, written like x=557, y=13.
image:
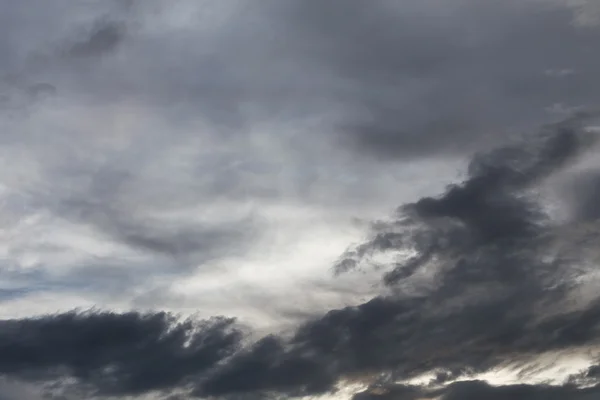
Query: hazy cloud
x=104, y=37
x=495, y=272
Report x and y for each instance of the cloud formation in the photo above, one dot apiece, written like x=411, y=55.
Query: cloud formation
x=496, y=301
x=491, y=246
x=221, y=152
x=471, y=390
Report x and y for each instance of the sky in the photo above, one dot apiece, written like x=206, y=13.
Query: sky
x=311, y=199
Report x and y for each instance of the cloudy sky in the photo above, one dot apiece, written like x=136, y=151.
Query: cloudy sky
x=315, y=199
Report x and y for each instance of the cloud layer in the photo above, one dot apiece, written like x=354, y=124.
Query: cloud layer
x=499, y=297
x=192, y=198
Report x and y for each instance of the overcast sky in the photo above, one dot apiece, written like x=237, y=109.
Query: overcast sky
x=275, y=199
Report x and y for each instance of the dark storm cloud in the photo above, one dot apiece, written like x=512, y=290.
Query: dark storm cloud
x=404, y=338
x=269, y=367
x=492, y=206
x=475, y=390
x=115, y=353
x=491, y=241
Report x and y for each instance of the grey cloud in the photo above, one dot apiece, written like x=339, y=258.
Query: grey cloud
x=498, y=299
x=378, y=70
x=424, y=79
x=101, y=207
x=103, y=38
x=104, y=205
x=584, y=195
x=16, y=391
x=119, y=207
x=437, y=76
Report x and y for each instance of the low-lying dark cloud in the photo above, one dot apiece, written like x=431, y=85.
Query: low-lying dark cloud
x=475, y=390
x=115, y=354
